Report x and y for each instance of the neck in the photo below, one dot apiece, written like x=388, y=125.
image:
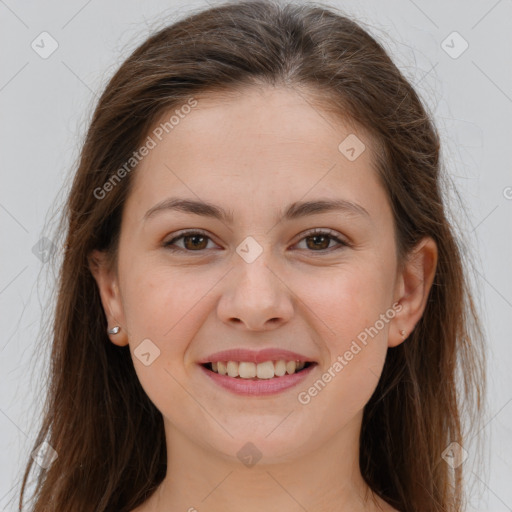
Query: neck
x=200, y=479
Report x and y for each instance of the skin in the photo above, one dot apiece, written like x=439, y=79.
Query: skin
x=254, y=153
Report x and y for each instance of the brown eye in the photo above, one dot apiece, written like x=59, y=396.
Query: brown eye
x=318, y=241
x=196, y=242
x=193, y=241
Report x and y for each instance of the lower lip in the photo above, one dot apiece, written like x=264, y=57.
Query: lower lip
x=246, y=387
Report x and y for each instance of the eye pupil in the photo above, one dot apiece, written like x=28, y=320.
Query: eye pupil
x=316, y=237
x=195, y=237
x=196, y=241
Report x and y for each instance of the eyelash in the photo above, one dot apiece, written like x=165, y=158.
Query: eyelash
x=314, y=232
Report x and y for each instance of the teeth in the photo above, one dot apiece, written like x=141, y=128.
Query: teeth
x=279, y=368
x=266, y=370
x=291, y=367
x=247, y=370
x=232, y=367
x=221, y=368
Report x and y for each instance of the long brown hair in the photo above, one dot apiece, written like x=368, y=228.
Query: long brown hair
x=108, y=435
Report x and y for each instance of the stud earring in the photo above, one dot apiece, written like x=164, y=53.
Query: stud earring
x=402, y=332
x=114, y=330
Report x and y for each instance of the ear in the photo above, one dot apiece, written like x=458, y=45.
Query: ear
x=108, y=286
x=413, y=287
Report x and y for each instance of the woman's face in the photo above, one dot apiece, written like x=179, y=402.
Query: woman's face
x=258, y=279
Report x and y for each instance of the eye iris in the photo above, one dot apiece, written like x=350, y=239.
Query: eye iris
x=195, y=242
x=194, y=246
x=325, y=238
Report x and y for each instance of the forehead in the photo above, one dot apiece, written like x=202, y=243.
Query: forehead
x=256, y=118
x=257, y=144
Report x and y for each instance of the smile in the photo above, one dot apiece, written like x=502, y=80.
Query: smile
x=251, y=379
x=250, y=370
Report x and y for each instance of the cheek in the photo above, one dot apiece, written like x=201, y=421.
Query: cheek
x=162, y=307
x=345, y=300
x=343, y=390
x=350, y=309
x=161, y=303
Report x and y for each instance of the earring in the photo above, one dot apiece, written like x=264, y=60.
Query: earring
x=114, y=330
x=402, y=333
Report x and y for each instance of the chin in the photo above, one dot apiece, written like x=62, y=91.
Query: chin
x=264, y=444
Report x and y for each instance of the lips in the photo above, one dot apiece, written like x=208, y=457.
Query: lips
x=255, y=386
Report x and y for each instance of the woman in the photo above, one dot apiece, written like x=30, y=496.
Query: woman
x=262, y=304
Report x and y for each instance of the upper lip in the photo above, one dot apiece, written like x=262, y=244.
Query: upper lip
x=255, y=356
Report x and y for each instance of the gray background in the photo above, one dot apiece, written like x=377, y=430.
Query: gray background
x=46, y=104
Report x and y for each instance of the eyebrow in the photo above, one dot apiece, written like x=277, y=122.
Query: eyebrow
x=293, y=211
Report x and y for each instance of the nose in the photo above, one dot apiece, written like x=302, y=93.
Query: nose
x=255, y=296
